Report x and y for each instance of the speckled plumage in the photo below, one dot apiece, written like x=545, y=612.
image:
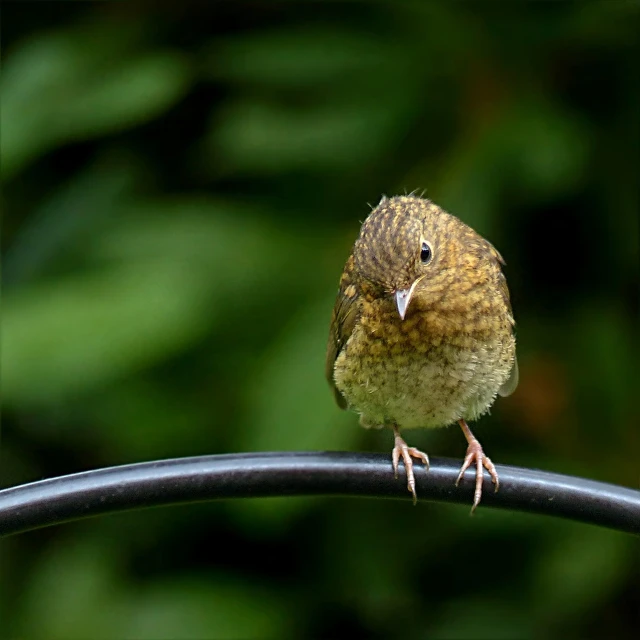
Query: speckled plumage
x=454, y=350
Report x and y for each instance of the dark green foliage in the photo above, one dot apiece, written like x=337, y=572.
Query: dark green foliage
x=181, y=187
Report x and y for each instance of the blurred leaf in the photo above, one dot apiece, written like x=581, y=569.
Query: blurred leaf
x=297, y=57
x=198, y=608
x=75, y=586
x=595, y=24
x=127, y=96
x=159, y=294
x=235, y=250
x=75, y=333
x=540, y=148
x=479, y=617
x=78, y=593
x=260, y=137
x=69, y=216
x=290, y=406
x=289, y=403
x=546, y=147
x=138, y=420
x=340, y=128
x=602, y=339
x=60, y=88
x=579, y=571
x=201, y=232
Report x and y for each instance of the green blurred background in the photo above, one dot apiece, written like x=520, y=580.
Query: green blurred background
x=182, y=182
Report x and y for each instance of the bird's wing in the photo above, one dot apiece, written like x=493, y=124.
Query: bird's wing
x=512, y=381
x=343, y=320
x=502, y=280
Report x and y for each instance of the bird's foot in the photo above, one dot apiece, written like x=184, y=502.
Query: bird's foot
x=476, y=454
x=400, y=448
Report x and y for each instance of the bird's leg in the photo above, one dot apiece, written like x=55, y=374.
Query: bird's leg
x=400, y=448
x=477, y=455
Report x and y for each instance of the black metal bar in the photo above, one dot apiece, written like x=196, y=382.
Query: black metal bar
x=183, y=480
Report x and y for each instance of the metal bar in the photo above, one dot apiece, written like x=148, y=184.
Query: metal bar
x=183, y=480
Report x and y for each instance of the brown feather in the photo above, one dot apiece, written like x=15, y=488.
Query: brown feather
x=512, y=381
x=343, y=320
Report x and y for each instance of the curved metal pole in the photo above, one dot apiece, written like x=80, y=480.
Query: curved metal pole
x=183, y=480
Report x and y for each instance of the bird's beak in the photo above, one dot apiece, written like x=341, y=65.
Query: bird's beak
x=403, y=298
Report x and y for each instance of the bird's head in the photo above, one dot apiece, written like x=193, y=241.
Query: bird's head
x=398, y=247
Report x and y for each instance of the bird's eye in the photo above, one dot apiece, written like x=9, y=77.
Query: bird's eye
x=425, y=253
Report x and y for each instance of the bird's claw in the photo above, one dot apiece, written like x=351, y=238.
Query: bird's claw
x=400, y=448
x=476, y=454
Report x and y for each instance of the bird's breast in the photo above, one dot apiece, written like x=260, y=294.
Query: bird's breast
x=428, y=370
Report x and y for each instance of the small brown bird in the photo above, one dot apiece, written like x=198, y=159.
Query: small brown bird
x=422, y=329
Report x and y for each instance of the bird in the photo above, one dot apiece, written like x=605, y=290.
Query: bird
x=422, y=330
